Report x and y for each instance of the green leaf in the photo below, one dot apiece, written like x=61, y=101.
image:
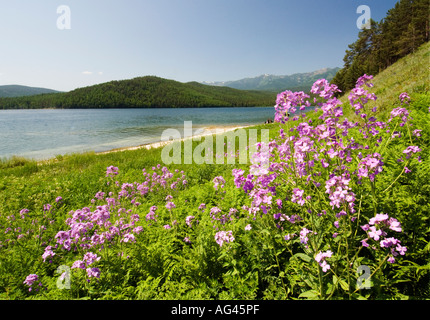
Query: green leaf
x=311, y=294
x=310, y=283
x=342, y=283
x=303, y=256
x=265, y=231
x=330, y=288
x=358, y=296
x=270, y=267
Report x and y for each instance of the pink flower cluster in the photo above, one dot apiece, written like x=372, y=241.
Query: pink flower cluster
x=88, y=259
x=217, y=215
x=48, y=253
x=222, y=237
x=241, y=182
x=111, y=171
x=370, y=166
x=401, y=113
x=298, y=196
x=360, y=96
x=219, y=182
x=163, y=180
x=321, y=259
x=31, y=280
x=404, y=98
x=287, y=103
x=337, y=187
x=151, y=214
x=311, y=166
x=377, y=229
x=110, y=223
x=189, y=221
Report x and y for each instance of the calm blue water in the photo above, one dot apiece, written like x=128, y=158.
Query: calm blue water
x=43, y=134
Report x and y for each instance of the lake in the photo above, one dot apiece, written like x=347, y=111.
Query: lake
x=45, y=133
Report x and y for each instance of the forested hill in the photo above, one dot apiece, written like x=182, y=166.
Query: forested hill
x=405, y=28
x=144, y=92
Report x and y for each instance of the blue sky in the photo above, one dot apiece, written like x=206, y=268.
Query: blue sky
x=184, y=40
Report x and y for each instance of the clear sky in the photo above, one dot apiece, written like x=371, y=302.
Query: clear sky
x=184, y=40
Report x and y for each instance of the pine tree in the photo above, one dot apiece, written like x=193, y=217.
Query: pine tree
x=402, y=31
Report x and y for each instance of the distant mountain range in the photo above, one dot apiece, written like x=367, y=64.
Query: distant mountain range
x=21, y=91
x=278, y=83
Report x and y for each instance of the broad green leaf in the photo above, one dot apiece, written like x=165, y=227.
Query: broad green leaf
x=311, y=294
x=358, y=296
x=330, y=288
x=303, y=256
x=344, y=285
x=310, y=283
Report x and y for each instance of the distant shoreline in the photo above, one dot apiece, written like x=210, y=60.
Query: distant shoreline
x=155, y=108
x=212, y=130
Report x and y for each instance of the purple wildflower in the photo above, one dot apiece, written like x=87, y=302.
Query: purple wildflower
x=31, y=279
x=170, y=205
x=188, y=220
x=93, y=272
x=218, y=182
x=320, y=258
x=222, y=237
x=298, y=196
x=48, y=253
x=111, y=171
x=404, y=98
x=79, y=264
x=90, y=258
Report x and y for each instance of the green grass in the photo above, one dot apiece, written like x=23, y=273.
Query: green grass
x=29, y=184
x=77, y=178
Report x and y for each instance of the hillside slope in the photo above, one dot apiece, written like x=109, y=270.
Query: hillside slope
x=144, y=92
x=410, y=74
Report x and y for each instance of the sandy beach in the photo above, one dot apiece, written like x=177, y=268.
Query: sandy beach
x=212, y=130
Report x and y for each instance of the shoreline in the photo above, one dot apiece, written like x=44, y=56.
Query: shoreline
x=210, y=130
